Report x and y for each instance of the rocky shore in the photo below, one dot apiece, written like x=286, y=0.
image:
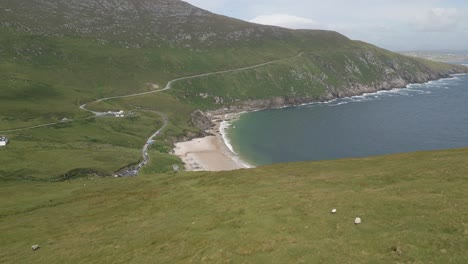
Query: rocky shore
x=213, y=153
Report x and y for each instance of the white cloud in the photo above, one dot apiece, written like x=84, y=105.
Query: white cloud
x=395, y=24
x=287, y=21
x=438, y=20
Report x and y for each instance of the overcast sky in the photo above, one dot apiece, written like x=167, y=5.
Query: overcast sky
x=392, y=24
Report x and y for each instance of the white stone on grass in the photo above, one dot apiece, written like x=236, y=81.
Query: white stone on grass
x=357, y=221
x=333, y=211
x=35, y=247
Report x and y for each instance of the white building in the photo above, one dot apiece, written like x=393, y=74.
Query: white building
x=120, y=113
x=3, y=141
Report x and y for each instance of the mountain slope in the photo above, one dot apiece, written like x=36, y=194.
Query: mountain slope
x=137, y=23
x=317, y=75
x=58, y=54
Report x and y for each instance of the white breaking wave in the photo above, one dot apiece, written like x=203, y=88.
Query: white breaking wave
x=422, y=92
x=414, y=88
x=340, y=103
x=235, y=157
x=407, y=91
x=222, y=129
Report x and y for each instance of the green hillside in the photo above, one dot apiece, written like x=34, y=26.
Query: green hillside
x=413, y=209
x=57, y=55
x=61, y=54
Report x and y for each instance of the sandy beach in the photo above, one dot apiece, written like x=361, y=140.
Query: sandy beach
x=210, y=153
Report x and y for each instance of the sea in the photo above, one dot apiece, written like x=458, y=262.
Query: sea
x=429, y=116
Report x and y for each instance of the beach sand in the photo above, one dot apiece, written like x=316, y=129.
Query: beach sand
x=209, y=153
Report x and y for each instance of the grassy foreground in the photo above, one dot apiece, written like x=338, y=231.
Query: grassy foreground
x=414, y=209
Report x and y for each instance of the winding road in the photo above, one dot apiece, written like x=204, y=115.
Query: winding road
x=145, y=148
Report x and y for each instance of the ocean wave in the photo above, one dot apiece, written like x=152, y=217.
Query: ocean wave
x=235, y=157
x=407, y=91
x=222, y=129
x=421, y=91
x=340, y=103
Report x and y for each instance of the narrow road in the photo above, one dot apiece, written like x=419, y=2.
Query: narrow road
x=170, y=83
x=168, y=87
x=45, y=125
x=144, y=150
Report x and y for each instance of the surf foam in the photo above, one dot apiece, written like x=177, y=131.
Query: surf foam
x=235, y=157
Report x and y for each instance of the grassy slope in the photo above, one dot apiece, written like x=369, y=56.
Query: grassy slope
x=101, y=145
x=44, y=79
x=416, y=202
x=65, y=72
x=277, y=214
x=312, y=75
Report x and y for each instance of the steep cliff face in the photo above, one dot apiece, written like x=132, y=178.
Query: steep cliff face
x=314, y=76
x=352, y=89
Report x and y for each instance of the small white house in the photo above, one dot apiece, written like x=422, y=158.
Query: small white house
x=120, y=113
x=3, y=141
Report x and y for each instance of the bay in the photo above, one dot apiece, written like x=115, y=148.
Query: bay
x=427, y=116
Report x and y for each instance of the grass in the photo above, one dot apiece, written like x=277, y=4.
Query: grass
x=37, y=71
x=414, y=210
x=45, y=79
x=102, y=145
x=314, y=75
x=413, y=205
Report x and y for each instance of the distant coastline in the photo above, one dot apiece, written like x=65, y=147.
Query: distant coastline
x=215, y=152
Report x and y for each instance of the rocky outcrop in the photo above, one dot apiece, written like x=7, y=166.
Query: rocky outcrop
x=352, y=89
x=201, y=120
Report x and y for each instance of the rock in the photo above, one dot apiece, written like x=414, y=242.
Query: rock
x=201, y=120
x=357, y=221
x=35, y=247
x=333, y=211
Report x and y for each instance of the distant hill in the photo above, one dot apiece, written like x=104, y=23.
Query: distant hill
x=441, y=55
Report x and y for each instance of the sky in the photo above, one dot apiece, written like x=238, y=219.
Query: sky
x=399, y=25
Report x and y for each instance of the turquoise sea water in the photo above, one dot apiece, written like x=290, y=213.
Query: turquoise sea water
x=422, y=117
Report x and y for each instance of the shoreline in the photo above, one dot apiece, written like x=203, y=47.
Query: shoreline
x=215, y=152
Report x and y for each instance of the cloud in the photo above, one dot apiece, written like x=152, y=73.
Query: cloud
x=438, y=20
x=287, y=21
x=396, y=24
